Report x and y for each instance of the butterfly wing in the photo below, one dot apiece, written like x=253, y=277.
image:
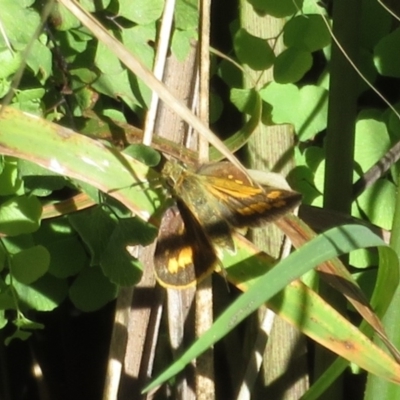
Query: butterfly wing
x=205, y=208
x=243, y=203
x=184, y=254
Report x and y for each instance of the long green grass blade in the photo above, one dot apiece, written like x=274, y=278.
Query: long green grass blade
x=333, y=243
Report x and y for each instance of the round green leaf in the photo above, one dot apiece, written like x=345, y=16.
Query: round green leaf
x=63, y=19
x=144, y=154
x=386, y=57
x=19, y=32
x=253, y=51
x=372, y=141
x=186, y=15
x=305, y=108
x=29, y=265
x=141, y=11
x=120, y=267
x=291, y=65
x=307, y=33
x=244, y=99
x=91, y=290
x=20, y=215
x=43, y=295
x=68, y=256
x=378, y=203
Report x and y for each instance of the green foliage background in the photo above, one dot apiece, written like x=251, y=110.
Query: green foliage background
x=75, y=81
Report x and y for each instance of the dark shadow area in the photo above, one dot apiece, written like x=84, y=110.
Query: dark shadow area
x=71, y=350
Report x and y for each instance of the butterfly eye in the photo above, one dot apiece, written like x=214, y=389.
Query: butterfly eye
x=170, y=180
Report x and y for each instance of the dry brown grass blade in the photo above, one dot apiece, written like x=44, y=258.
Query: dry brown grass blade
x=205, y=379
x=335, y=273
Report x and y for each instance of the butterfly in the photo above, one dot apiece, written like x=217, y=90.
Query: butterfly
x=211, y=203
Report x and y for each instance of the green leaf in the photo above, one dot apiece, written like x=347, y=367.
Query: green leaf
x=19, y=31
x=291, y=65
x=117, y=85
x=20, y=215
x=29, y=100
x=29, y=265
x=9, y=63
x=91, y=290
x=133, y=231
x=7, y=301
x=252, y=50
x=216, y=107
x=18, y=334
x=67, y=253
x=115, y=81
x=363, y=258
x=230, y=74
x=186, y=15
x=377, y=202
x=244, y=99
x=10, y=181
x=306, y=32
x=40, y=60
x=3, y=320
x=375, y=24
x=94, y=227
x=63, y=19
x=3, y=257
x=92, y=6
x=45, y=294
x=116, y=262
x=277, y=8
x=119, y=266
x=141, y=11
x=80, y=45
x=144, y=154
x=42, y=186
x=28, y=168
x=107, y=241
x=305, y=108
x=24, y=323
x=15, y=244
x=138, y=40
x=385, y=55
x=181, y=43
x=107, y=62
x=372, y=140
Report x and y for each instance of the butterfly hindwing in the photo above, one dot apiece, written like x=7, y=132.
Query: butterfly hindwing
x=184, y=255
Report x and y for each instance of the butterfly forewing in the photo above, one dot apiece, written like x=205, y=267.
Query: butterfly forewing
x=261, y=208
x=204, y=206
x=243, y=203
